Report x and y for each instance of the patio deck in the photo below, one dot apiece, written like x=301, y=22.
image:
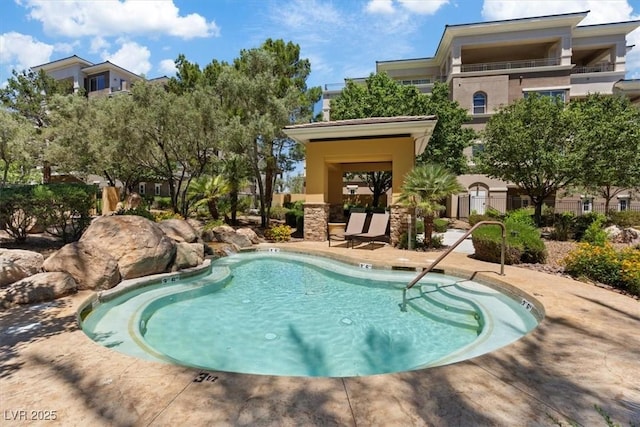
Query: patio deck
x=586, y=352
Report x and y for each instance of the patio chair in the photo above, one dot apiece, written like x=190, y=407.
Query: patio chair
x=377, y=229
x=355, y=225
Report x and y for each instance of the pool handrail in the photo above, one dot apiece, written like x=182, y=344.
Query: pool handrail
x=403, y=307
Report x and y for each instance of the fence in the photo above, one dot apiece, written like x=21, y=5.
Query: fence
x=468, y=204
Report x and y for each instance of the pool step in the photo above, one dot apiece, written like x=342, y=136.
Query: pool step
x=443, y=308
x=444, y=297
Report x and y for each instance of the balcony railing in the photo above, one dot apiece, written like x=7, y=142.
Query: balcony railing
x=600, y=68
x=528, y=63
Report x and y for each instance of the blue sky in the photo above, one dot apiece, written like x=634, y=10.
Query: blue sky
x=341, y=38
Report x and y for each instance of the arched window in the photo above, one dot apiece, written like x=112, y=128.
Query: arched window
x=479, y=103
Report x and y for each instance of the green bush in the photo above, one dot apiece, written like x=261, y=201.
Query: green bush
x=161, y=203
x=139, y=211
x=563, y=226
x=278, y=212
x=62, y=209
x=625, y=219
x=295, y=218
x=522, y=216
x=604, y=264
x=583, y=222
x=278, y=233
x=213, y=224
x=440, y=225
x=523, y=243
x=594, y=234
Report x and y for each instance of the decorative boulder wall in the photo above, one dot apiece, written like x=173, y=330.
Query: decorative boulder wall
x=91, y=266
x=140, y=246
x=38, y=288
x=16, y=264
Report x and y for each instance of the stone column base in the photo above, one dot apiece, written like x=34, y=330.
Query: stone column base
x=399, y=222
x=316, y=219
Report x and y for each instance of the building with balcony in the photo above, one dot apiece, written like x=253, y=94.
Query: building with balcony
x=488, y=65
x=101, y=79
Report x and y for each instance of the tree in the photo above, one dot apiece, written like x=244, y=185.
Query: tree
x=28, y=93
x=206, y=191
x=424, y=187
x=264, y=91
x=381, y=96
x=531, y=144
x=608, y=134
x=235, y=170
x=16, y=155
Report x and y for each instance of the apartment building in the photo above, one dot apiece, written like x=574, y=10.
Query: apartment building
x=490, y=64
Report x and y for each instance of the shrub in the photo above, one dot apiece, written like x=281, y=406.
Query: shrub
x=606, y=265
x=62, y=209
x=594, y=234
x=523, y=243
x=278, y=212
x=563, y=226
x=625, y=219
x=213, y=224
x=140, y=211
x=440, y=225
x=278, y=233
x=522, y=216
x=583, y=222
x=161, y=203
x=167, y=215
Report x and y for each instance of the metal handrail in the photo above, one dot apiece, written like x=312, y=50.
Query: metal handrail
x=448, y=251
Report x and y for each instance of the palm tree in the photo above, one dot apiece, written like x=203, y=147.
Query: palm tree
x=235, y=169
x=424, y=187
x=206, y=190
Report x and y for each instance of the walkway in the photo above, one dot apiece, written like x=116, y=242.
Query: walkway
x=586, y=352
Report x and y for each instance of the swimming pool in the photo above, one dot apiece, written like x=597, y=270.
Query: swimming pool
x=282, y=313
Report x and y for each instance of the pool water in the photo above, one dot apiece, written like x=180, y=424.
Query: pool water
x=295, y=315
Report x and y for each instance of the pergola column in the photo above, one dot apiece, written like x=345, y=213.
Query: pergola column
x=316, y=218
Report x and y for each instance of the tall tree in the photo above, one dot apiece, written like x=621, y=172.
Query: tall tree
x=531, y=144
x=28, y=93
x=264, y=91
x=608, y=133
x=16, y=150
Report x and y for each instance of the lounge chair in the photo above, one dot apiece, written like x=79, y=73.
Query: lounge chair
x=355, y=225
x=377, y=229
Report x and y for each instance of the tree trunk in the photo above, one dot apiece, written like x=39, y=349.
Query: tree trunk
x=213, y=209
x=428, y=230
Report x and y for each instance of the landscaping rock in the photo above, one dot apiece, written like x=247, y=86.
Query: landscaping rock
x=38, y=288
x=227, y=234
x=139, y=245
x=251, y=235
x=10, y=272
x=31, y=262
x=178, y=230
x=188, y=255
x=89, y=265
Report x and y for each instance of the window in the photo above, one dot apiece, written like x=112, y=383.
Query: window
x=141, y=188
x=479, y=103
x=623, y=204
x=96, y=83
x=551, y=93
x=157, y=189
x=587, y=205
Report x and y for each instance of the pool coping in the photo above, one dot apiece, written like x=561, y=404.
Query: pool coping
x=581, y=355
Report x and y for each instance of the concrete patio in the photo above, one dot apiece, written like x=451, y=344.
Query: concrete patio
x=586, y=352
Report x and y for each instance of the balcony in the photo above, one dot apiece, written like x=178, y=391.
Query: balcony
x=510, y=65
x=600, y=68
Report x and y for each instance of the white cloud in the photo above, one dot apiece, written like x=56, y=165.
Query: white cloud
x=98, y=44
x=421, y=7
x=66, y=48
x=168, y=67
x=75, y=18
x=21, y=51
x=380, y=6
x=131, y=56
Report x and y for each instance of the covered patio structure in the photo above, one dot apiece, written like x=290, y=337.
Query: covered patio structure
x=372, y=144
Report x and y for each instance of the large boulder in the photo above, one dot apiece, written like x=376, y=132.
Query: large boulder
x=139, y=245
x=227, y=234
x=188, y=255
x=10, y=272
x=178, y=230
x=251, y=235
x=31, y=262
x=38, y=288
x=89, y=265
